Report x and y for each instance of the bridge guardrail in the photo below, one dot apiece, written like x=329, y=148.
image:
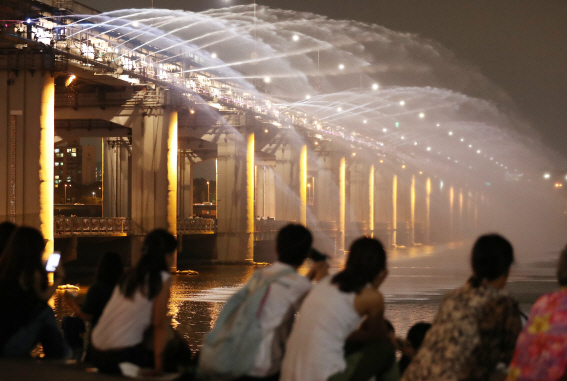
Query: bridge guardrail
x=92, y=225
x=196, y=225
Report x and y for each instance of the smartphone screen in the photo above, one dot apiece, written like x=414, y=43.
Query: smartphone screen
x=53, y=262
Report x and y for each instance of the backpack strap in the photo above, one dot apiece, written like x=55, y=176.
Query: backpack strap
x=269, y=280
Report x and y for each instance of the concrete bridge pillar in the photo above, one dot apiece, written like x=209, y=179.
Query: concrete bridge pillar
x=235, y=196
x=116, y=180
x=184, y=185
x=154, y=175
x=291, y=183
x=27, y=141
x=359, y=195
x=383, y=205
x=330, y=194
x=265, y=191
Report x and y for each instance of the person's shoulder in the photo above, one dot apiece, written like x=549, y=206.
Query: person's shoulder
x=370, y=295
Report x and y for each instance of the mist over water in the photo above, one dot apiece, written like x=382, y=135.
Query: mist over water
x=390, y=98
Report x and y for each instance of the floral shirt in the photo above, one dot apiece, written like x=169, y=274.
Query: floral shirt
x=474, y=330
x=541, y=353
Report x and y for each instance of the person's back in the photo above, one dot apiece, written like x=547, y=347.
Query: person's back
x=315, y=348
x=476, y=326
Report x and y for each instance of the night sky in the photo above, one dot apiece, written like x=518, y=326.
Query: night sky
x=520, y=45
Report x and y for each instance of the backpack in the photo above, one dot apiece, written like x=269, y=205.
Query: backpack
x=230, y=349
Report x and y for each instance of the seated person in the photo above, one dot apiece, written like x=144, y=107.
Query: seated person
x=476, y=326
x=26, y=317
x=343, y=308
x=413, y=341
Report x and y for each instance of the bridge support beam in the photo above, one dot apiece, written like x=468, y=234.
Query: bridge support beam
x=185, y=186
x=116, y=178
x=383, y=205
x=330, y=195
x=154, y=176
x=235, y=198
x=265, y=191
x=27, y=141
x=291, y=183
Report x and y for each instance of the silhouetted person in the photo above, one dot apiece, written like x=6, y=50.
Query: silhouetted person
x=26, y=318
x=6, y=230
x=415, y=337
x=331, y=316
x=477, y=325
x=134, y=326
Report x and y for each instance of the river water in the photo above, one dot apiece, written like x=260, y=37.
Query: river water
x=418, y=279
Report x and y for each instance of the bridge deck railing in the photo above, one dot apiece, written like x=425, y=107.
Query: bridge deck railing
x=92, y=225
x=196, y=225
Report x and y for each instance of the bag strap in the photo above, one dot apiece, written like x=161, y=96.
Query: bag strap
x=271, y=279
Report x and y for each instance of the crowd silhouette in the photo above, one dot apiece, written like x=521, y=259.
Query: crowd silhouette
x=282, y=325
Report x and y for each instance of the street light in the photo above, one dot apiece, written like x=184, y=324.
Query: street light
x=66, y=185
x=208, y=191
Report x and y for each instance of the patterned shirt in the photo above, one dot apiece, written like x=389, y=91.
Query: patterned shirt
x=474, y=330
x=541, y=353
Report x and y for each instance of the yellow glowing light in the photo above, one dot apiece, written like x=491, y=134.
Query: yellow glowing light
x=46, y=160
x=403, y=166
x=172, y=174
x=354, y=154
x=70, y=80
x=191, y=111
x=303, y=185
x=250, y=196
x=394, y=208
x=558, y=185
x=371, y=199
x=342, y=202
x=266, y=131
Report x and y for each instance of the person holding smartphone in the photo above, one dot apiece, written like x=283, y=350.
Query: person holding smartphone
x=26, y=317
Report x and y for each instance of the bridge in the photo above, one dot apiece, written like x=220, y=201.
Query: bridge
x=161, y=111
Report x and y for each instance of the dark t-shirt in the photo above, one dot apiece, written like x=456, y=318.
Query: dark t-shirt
x=98, y=295
x=18, y=308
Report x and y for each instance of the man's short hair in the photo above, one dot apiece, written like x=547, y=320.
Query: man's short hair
x=293, y=244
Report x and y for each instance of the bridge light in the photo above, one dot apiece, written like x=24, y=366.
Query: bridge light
x=546, y=175
x=450, y=133
x=191, y=111
x=470, y=145
x=384, y=130
x=421, y=115
x=397, y=124
x=403, y=166
x=478, y=151
x=213, y=55
x=558, y=185
x=339, y=109
x=375, y=86
x=365, y=121
x=70, y=80
x=354, y=154
x=135, y=24
x=341, y=67
x=402, y=103
x=429, y=148
x=295, y=37
x=267, y=79
x=462, y=139
x=28, y=21
x=414, y=143
x=308, y=96
x=266, y=131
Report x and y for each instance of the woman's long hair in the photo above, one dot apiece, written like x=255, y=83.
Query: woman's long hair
x=146, y=276
x=22, y=258
x=365, y=261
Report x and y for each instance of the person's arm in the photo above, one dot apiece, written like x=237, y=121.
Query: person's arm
x=318, y=271
x=46, y=294
x=72, y=303
x=160, y=324
x=370, y=303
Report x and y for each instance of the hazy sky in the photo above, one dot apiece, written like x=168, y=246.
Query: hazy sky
x=520, y=45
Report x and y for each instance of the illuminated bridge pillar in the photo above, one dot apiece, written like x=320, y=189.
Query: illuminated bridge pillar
x=383, y=205
x=235, y=196
x=184, y=185
x=330, y=196
x=359, y=204
x=291, y=183
x=116, y=178
x=265, y=191
x=404, y=209
x=154, y=176
x=26, y=144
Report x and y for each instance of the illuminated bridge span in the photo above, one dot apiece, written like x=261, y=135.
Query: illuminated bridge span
x=348, y=128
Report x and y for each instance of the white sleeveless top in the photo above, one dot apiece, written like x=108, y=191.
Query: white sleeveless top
x=315, y=347
x=124, y=321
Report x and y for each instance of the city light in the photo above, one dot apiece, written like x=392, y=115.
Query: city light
x=478, y=151
x=266, y=131
x=558, y=185
x=339, y=109
x=384, y=130
x=429, y=148
x=135, y=24
x=462, y=139
x=70, y=80
x=308, y=96
x=365, y=121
